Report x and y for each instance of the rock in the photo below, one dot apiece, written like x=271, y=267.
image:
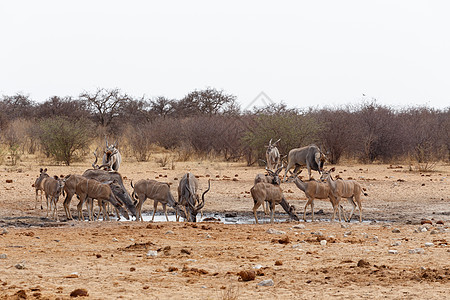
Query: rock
x=72, y=275
x=230, y=215
x=429, y=244
x=318, y=233
x=363, y=263
x=395, y=244
x=416, y=251
x=268, y=282
x=375, y=239
x=20, y=266
x=392, y=251
x=396, y=230
x=3, y=256
x=278, y=263
x=247, y=275
x=425, y=221
x=422, y=229
x=284, y=240
x=323, y=242
x=4, y=231
x=152, y=253
x=185, y=251
x=257, y=267
x=191, y=260
x=132, y=269
x=79, y=293
x=299, y=226
x=348, y=233
x=345, y=226
x=296, y=246
x=9, y=180
x=274, y=231
x=434, y=232
x=440, y=222
x=21, y=294
x=115, y=240
x=169, y=232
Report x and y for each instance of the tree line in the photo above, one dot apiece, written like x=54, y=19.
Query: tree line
x=211, y=122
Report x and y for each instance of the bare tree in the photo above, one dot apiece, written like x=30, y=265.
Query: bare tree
x=104, y=104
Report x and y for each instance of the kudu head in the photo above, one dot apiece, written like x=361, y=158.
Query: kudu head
x=320, y=159
x=195, y=207
x=276, y=178
x=327, y=174
x=271, y=146
x=110, y=149
x=293, y=176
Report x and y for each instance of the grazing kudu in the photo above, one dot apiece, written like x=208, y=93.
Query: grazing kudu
x=263, y=191
x=309, y=156
x=159, y=192
x=117, y=187
x=38, y=186
x=349, y=189
x=273, y=155
x=53, y=187
x=188, y=196
x=84, y=188
x=314, y=190
x=111, y=157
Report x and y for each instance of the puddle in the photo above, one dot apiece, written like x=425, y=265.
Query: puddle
x=215, y=217
x=224, y=218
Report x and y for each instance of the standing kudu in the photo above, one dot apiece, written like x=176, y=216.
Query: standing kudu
x=38, y=186
x=111, y=157
x=315, y=190
x=273, y=155
x=159, y=192
x=53, y=187
x=349, y=189
x=188, y=196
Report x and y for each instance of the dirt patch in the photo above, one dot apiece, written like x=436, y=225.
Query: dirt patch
x=172, y=260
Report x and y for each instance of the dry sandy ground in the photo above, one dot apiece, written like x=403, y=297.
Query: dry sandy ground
x=41, y=258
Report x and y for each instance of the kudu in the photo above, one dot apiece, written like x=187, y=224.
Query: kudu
x=38, y=186
x=268, y=179
x=89, y=188
x=53, y=187
x=314, y=190
x=309, y=156
x=188, y=196
x=349, y=189
x=159, y=192
x=117, y=187
x=273, y=155
x=263, y=191
x=111, y=157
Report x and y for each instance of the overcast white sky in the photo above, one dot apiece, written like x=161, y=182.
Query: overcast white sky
x=305, y=53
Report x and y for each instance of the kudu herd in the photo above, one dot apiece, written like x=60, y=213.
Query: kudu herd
x=105, y=184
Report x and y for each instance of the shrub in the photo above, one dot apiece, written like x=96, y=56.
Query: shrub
x=61, y=137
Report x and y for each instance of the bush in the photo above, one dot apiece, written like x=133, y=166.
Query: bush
x=61, y=137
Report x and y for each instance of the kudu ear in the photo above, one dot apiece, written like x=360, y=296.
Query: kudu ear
x=45, y=170
x=40, y=170
x=332, y=169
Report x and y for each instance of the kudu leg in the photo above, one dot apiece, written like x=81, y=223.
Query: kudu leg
x=255, y=207
x=350, y=200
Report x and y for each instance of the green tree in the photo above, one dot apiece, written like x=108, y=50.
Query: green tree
x=62, y=137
